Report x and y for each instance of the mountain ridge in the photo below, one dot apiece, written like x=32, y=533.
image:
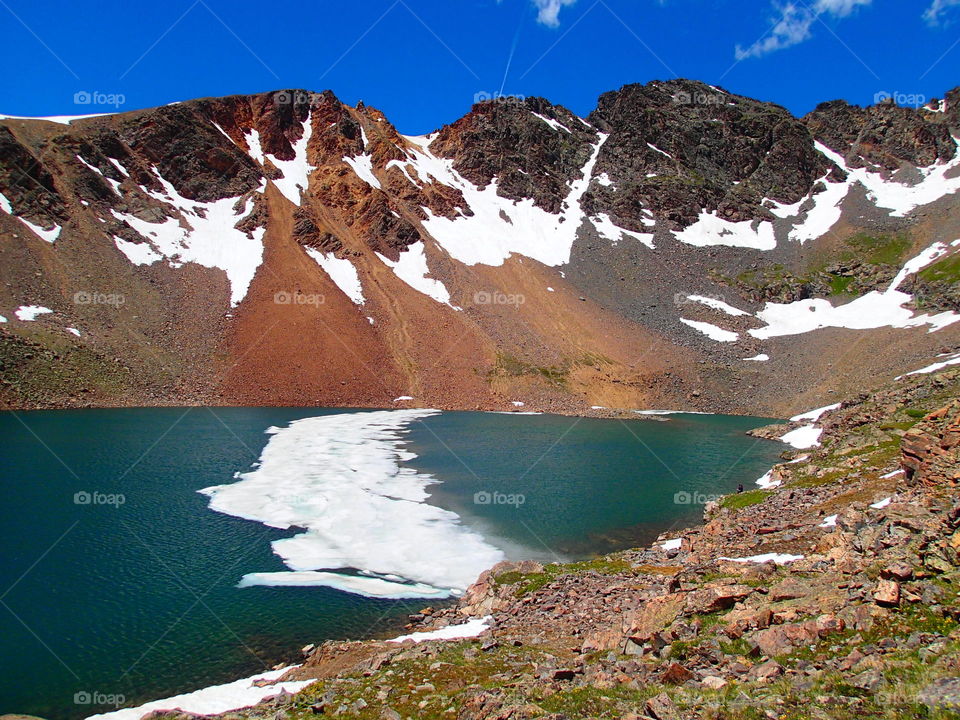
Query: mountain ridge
x=286, y=248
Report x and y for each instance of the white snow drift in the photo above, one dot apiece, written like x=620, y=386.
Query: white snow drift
x=209, y=238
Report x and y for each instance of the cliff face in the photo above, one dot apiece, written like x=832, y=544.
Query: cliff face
x=286, y=248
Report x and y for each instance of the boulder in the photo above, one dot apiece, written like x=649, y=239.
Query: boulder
x=653, y=616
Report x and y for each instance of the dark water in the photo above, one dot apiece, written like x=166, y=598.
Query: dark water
x=138, y=599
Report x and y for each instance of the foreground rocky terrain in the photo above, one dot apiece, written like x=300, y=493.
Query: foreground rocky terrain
x=832, y=592
x=681, y=246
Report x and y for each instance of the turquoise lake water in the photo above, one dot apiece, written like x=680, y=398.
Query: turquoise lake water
x=139, y=598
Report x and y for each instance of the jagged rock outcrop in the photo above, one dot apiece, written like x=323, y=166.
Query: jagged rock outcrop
x=884, y=137
x=682, y=147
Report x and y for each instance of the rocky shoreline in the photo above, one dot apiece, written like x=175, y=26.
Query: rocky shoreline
x=830, y=593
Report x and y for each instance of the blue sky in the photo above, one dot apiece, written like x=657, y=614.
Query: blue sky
x=423, y=61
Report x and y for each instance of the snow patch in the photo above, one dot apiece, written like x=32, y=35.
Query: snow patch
x=210, y=238
x=470, y=629
x=823, y=215
x=612, y=232
x=803, y=437
x=867, y=312
x=342, y=272
x=935, y=366
x=814, y=415
x=767, y=482
x=252, y=136
x=762, y=357
x=363, y=166
x=500, y=227
x=717, y=305
x=776, y=558
x=217, y=698
x=552, y=123
x=137, y=253
x=29, y=313
x=712, y=331
x=710, y=229
x=296, y=171
x=50, y=235
x=412, y=269
x=897, y=197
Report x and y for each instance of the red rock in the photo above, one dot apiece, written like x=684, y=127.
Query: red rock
x=887, y=593
x=675, y=674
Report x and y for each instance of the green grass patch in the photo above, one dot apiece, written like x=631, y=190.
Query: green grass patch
x=738, y=501
x=880, y=249
x=946, y=270
x=530, y=582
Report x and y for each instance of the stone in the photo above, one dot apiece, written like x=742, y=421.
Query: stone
x=709, y=600
x=790, y=589
x=661, y=707
x=713, y=682
x=780, y=639
x=675, y=674
x=943, y=693
x=653, y=616
x=766, y=671
x=887, y=593
x=897, y=571
x=827, y=624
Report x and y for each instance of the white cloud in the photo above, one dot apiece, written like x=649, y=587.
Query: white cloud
x=549, y=11
x=936, y=9
x=794, y=23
